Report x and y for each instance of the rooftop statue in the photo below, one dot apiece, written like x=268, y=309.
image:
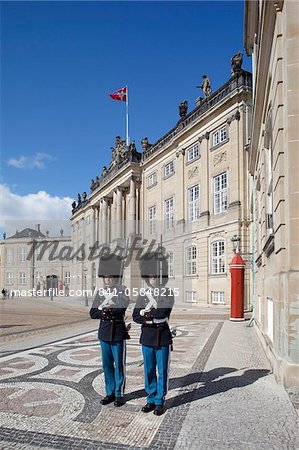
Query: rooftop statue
x=133, y=149
x=145, y=144
x=236, y=63
x=183, y=108
x=206, y=86
x=119, y=153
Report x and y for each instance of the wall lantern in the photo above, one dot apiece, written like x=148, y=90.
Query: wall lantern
x=236, y=243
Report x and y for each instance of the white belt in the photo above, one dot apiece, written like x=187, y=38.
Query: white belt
x=157, y=321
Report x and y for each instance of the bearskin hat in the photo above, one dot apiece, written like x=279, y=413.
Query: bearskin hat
x=110, y=265
x=154, y=264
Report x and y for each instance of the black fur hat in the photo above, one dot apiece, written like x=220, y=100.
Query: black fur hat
x=110, y=265
x=154, y=264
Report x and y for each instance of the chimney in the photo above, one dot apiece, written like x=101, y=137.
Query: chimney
x=38, y=227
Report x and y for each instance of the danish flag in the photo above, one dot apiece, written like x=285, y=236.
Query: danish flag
x=120, y=95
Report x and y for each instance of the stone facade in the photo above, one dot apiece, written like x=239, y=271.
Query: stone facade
x=272, y=39
x=189, y=188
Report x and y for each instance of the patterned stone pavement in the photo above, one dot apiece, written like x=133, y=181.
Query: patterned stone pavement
x=50, y=396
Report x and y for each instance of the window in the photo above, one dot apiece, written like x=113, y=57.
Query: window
x=67, y=277
x=191, y=256
x=269, y=221
x=193, y=203
x=191, y=296
x=22, y=278
x=169, y=213
x=219, y=136
x=9, y=255
x=170, y=264
x=152, y=179
x=218, y=257
x=193, y=152
x=169, y=169
x=22, y=254
x=218, y=297
x=220, y=193
x=152, y=219
x=38, y=276
x=9, y=278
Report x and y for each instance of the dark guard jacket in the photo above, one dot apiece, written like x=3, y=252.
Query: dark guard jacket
x=154, y=324
x=112, y=325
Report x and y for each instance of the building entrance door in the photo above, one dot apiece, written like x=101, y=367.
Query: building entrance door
x=52, y=285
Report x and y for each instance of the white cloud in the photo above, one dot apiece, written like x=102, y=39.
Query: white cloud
x=30, y=162
x=21, y=211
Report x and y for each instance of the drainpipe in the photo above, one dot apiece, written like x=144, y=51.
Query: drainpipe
x=252, y=191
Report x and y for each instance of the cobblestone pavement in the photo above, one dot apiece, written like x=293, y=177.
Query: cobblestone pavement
x=221, y=395
x=24, y=317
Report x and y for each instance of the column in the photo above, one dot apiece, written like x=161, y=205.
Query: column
x=113, y=217
x=205, y=183
x=180, y=190
x=131, y=206
x=104, y=220
x=97, y=222
x=92, y=225
x=118, y=230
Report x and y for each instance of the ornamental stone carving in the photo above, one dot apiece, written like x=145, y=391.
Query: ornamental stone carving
x=235, y=116
x=219, y=158
x=204, y=136
x=192, y=172
x=180, y=151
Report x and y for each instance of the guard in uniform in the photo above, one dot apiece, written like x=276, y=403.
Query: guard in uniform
x=109, y=306
x=152, y=311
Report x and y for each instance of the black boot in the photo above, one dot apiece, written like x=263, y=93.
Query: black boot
x=148, y=407
x=119, y=401
x=159, y=410
x=108, y=399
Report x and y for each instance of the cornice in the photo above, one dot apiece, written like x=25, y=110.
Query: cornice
x=265, y=47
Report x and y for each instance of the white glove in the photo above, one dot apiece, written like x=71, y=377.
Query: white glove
x=142, y=312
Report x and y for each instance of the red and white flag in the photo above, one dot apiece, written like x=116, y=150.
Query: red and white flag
x=120, y=95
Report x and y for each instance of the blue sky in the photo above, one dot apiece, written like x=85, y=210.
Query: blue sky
x=60, y=60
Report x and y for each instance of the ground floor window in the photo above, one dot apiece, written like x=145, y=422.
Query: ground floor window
x=9, y=278
x=218, y=297
x=191, y=296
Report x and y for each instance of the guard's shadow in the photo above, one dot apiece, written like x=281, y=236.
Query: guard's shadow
x=187, y=380
x=211, y=385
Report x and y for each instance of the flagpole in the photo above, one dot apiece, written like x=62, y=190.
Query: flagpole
x=127, y=117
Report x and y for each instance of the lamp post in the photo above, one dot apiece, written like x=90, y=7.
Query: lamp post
x=236, y=243
x=85, y=270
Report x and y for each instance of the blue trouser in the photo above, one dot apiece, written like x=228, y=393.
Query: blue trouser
x=114, y=366
x=156, y=358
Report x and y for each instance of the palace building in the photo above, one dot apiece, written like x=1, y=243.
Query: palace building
x=189, y=190
x=272, y=39
x=29, y=260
